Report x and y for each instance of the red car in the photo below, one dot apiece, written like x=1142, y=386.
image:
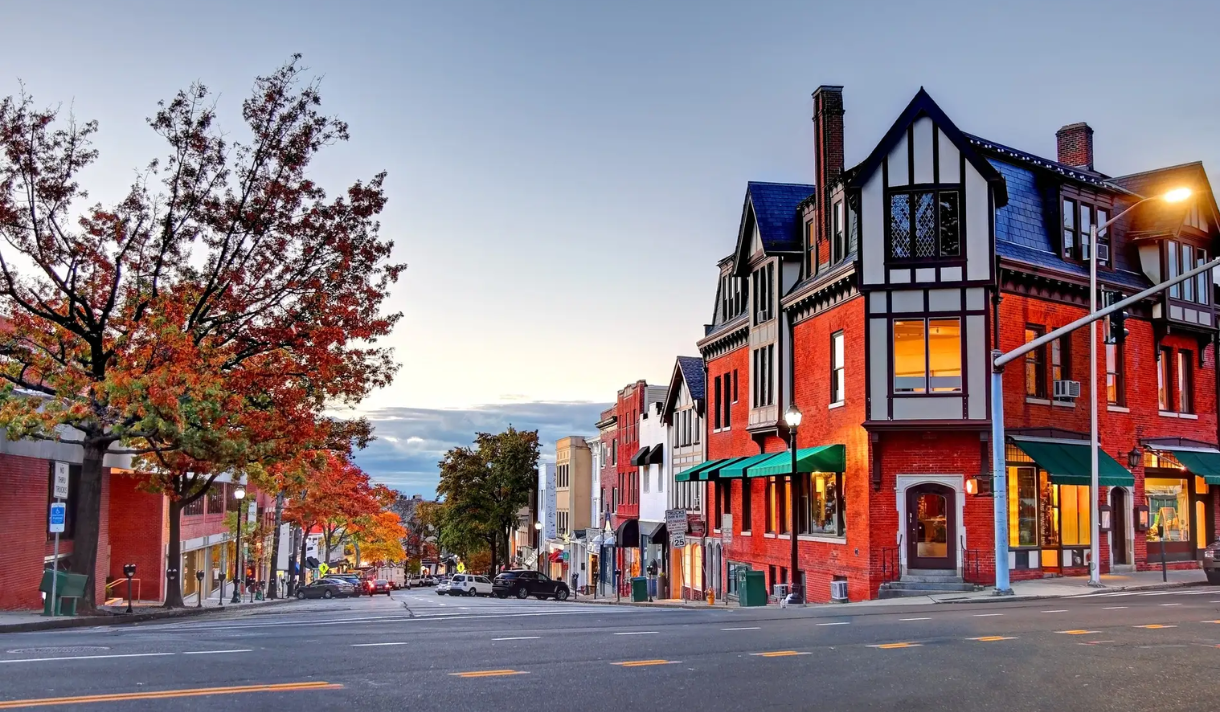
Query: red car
x=378, y=586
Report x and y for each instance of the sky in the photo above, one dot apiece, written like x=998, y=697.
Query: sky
x=564, y=176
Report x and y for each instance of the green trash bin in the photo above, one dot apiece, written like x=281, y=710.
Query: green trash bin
x=68, y=588
x=754, y=592
x=639, y=589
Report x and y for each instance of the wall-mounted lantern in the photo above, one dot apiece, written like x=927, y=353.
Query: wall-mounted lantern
x=1141, y=517
x=1105, y=518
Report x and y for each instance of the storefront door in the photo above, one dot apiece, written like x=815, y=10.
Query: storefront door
x=931, y=527
x=1118, y=530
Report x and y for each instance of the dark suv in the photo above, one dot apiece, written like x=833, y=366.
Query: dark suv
x=523, y=584
x=1211, y=562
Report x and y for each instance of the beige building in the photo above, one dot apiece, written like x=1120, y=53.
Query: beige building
x=573, y=499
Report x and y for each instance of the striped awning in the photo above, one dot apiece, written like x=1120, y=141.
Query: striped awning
x=738, y=469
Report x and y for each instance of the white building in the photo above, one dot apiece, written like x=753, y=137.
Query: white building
x=692, y=566
x=654, y=491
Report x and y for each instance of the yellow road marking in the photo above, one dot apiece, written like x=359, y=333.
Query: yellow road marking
x=1154, y=626
x=778, y=654
x=163, y=694
x=892, y=646
x=487, y=673
x=992, y=638
x=1076, y=632
x=644, y=663
x=1210, y=621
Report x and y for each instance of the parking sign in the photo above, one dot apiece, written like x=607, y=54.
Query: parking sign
x=61, y=481
x=58, y=513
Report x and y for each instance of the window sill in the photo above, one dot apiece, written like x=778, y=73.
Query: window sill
x=1037, y=401
x=837, y=404
x=1189, y=416
x=746, y=533
x=1118, y=409
x=1063, y=404
x=768, y=536
x=825, y=539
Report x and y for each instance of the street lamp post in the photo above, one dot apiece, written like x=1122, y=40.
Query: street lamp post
x=239, y=494
x=793, y=419
x=538, y=545
x=1000, y=359
x=1173, y=196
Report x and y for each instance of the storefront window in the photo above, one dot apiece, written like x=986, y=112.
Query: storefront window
x=1074, y=515
x=1023, y=506
x=825, y=504
x=1168, y=505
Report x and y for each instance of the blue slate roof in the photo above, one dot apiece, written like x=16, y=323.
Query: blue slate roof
x=1022, y=229
x=692, y=371
x=775, y=210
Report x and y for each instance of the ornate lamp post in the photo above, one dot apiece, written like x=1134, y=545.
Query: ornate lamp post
x=793, y=420
x=239, y=494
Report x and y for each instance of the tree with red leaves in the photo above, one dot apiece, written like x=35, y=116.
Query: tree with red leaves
x=224, y=285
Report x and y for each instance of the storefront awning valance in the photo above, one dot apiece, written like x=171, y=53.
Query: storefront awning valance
x=1200, y=462
x=650, y=529
x=640, y=458
x=738, y=469
x=656, y=456
x=693, y=473
x=823, y=458
x=1067, y=463
x=716, y=466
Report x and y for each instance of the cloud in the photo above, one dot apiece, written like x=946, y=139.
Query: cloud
x=411, y=441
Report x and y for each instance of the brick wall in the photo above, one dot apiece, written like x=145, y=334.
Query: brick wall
x=138, y=535
x=23, y=511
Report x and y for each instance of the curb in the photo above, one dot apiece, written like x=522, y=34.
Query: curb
x=113, y=619
x=606, y=602
x=1043, y=597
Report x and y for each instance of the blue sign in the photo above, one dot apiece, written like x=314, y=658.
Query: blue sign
x=58, y=513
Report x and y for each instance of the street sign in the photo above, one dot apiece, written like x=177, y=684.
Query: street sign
x=323, y=569
x=675, y=521
x=58, y=514
x=677, y=541
x=726, y=529
x=61, y=481
x=252, y=512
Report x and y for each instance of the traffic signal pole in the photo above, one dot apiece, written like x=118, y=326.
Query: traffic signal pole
x=998, y=362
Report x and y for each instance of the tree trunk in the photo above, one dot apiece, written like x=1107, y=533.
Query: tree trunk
x=326, y=536
x=272, y=585
x=304, y=551
x=89, y=520
x=173, y=558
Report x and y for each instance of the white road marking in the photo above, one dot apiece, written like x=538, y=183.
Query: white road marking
x=88, y=657
x=373, y=645
x=1114, y=608
x=754, y=628
x=1171, y=604
x=520, y=637
x=639, y=632
x=904, y=620
x=216, y=652
x=1057, y=610
x=987, y=615
x=837, y=623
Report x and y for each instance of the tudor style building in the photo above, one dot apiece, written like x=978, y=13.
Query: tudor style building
x=872, y=299
x=683, y=414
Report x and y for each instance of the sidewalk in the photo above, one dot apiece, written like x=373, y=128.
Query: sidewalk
x=1022, y=591
x=24, y=621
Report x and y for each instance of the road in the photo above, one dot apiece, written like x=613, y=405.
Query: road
x=1134, y=651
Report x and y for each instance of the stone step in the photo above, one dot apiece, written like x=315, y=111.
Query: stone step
x=906, y=585
x=924, y=578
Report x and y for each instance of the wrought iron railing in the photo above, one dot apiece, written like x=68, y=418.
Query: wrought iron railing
x=972, y=565
x=891, y=567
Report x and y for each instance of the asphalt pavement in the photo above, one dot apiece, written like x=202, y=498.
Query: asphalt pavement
x=415, y=650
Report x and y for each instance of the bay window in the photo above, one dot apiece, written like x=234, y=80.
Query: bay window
x=928, y=356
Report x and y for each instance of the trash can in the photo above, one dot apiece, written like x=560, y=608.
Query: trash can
x=67, y=586
x=639, y=589
x=754, y=592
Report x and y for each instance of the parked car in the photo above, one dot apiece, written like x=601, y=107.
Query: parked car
x=470, y=585
x=353, y=579
x=430, y=580
x=442, y=588
x=1211, y=562
x=376, y=586
x=327, y=588
x=523, y=584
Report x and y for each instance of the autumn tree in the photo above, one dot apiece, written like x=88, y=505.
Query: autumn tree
x=484, y=487
x=336, y=496
x=378, y=538
x=225, y=268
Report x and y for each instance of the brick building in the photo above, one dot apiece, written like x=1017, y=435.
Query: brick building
x=872, y=299
x=630, y=406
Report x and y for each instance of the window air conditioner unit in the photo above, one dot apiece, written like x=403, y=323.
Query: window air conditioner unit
x=1067, y=390
x=1103, y=253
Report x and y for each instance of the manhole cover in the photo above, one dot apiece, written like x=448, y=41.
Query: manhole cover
x=59, y=650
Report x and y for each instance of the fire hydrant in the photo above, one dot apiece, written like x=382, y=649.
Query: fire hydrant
x=711, y=598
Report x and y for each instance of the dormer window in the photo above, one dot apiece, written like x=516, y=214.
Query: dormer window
x=925, y=225
x=838, y=243
x=1183, y=258
x=763, y=280
x=1079, y=217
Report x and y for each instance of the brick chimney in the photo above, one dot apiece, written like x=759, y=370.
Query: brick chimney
x=827, y=151
x=1076, y=145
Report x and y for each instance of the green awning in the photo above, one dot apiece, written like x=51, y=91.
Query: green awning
x=738, y=469
x=692, y=473
x=1202, y=463
x=717, y=466
x=823, y=458
x=1067, y=463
